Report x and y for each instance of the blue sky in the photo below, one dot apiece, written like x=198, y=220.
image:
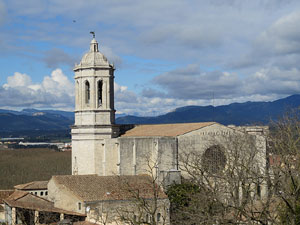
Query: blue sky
x=168, y=53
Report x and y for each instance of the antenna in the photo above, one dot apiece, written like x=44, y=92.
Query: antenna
x=93, y=33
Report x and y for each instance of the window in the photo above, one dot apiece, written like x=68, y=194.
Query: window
x=46, y=192
x=35, y=193
x=87, y=92
x=258, y=190
x=158, y=217
x=100, y=85
x=42, y=193
x=79, y=205
x=214, y=159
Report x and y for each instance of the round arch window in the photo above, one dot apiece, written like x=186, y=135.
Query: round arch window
x=214, y=159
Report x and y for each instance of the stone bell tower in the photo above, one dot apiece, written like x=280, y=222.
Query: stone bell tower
x=94, y=110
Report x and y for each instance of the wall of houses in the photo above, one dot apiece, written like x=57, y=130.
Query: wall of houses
x=109, y=212
x=63, y=198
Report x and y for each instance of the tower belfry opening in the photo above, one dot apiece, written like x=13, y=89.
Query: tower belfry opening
x=87, y=92
x=99, y=92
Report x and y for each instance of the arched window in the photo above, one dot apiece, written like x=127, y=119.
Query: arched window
x=214, y=159
x=100, y=85
x=158, y=217
x=87, y=92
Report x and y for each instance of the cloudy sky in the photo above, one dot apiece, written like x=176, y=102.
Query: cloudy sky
x=168, y=53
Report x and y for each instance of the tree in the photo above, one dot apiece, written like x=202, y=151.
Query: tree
x=231, y=177
x=285, y=165
x=152, y=208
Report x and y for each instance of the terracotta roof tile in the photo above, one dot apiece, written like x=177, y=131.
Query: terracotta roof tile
x=4, y=194
x=26, y=200
x=16, y=195
x=99, y=188
x=165, y=130
x=34, y=185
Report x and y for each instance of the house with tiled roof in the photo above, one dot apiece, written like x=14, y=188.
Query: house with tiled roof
x=105, y=199
x=22, y=207
x=38, y=188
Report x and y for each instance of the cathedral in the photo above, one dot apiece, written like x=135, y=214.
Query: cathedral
x=99, y=146
x=142, y=155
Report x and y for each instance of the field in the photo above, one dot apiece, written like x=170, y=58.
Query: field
x=25, y=165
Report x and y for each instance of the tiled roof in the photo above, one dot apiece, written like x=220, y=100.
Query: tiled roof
x=165, y=130
x=100, y=188
x=4, y=194
x=26, y=200
x=34, y=185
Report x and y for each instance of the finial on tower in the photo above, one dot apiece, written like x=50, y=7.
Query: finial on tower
x=93, y=33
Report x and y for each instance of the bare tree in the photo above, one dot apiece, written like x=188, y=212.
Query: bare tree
x=231, y=177
x=285, y=166
x=152, y=208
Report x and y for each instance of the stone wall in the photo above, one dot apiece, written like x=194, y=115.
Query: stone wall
x=110, y=212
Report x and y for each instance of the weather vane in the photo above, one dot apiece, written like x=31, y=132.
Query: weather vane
x=93, y=33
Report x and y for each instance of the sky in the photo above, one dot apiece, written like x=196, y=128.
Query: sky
x=167, y=53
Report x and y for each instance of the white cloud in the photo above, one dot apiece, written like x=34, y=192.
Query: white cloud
x=283, y=36
x=55, y=91
x=192, y=83
x=18, y=80
x=270, y=81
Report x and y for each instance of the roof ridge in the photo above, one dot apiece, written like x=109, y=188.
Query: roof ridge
x=154, y=124
x=212, y=123
x=165, y=130
x=24, y=193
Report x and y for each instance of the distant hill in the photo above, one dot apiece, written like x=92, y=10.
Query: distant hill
x=236, y=113
x=32, y=119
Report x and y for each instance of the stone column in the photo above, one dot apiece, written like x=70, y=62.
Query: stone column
x=62, y=216
x=36, y=217
x=13, y=216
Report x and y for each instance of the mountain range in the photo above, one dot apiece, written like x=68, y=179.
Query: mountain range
x=247, y=113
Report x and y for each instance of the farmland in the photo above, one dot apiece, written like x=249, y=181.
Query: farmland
x=25, y=165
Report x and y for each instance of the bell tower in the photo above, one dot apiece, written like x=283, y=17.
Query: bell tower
x=94, y=109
